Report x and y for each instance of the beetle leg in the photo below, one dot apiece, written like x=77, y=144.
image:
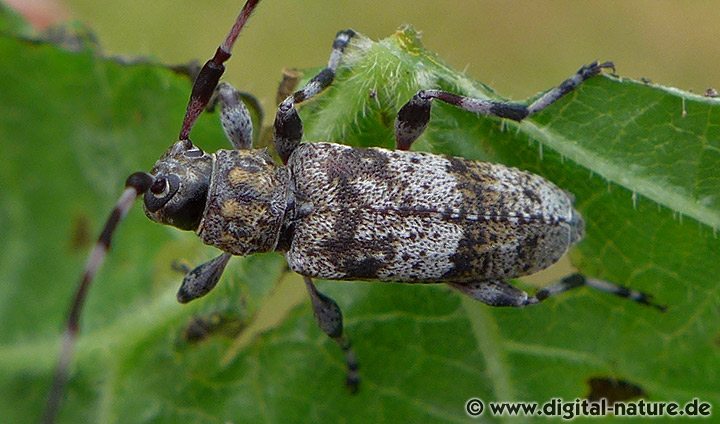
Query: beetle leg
x=413, y=117
x=287, y=129
x=201, y=280
x=578, y=280
x=288, y=126
x=494, y=293
x=234, y=116
x=501, y=293
x=329, y=318
x=570, y=84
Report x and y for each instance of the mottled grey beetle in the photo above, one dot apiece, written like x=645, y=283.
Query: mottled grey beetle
x=346, y=213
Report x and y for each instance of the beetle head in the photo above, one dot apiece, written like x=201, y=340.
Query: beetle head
x=178, y=195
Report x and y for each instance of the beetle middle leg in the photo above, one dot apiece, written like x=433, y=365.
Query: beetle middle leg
x=414, y=116
x=502, y=293
x=329, y=318
x=288, y=128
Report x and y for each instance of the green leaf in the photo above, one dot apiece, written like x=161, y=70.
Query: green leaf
x=641, y=160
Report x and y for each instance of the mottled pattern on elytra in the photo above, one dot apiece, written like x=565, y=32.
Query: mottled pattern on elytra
x=516, y=223
x=417, y=217
x=246, y=202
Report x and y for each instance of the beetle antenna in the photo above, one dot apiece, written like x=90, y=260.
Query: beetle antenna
x=135, y=185
x=210, y=74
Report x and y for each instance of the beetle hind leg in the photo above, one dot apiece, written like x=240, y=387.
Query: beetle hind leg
x=329, y=318
x=495, y=293
x=502, y=293
x=578, y=280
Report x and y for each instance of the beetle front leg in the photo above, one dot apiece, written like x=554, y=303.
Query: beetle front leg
x=413, y=117
x=288, y=126
x=329, y=318
x=234, y=116
x=201, y=280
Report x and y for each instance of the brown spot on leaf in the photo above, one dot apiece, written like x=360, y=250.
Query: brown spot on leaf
x=613, y=390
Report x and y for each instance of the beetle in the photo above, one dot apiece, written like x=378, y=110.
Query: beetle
x=344, y=213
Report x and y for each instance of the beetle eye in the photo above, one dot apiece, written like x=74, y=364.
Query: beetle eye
x=160, y=187
x=161, y=191
x=195, y=152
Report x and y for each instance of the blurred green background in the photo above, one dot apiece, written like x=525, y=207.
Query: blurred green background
x=517, y=47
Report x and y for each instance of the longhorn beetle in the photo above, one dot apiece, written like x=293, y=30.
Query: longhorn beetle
x=345, y=213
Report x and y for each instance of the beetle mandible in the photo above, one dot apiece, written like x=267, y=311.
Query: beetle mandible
x=345, y=213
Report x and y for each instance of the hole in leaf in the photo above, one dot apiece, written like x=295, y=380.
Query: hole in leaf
x=613, y=390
